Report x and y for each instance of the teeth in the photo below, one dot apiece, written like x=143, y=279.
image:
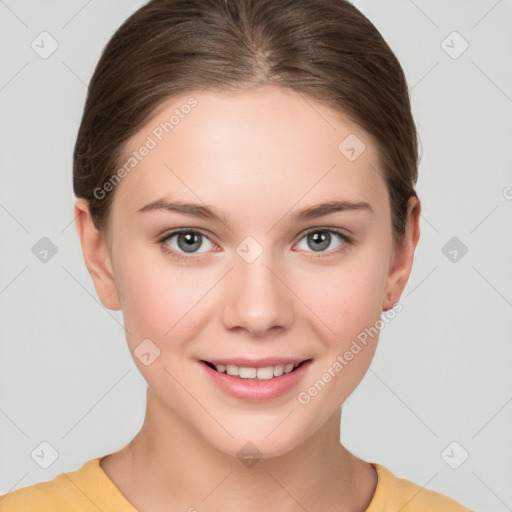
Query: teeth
x=267, y=373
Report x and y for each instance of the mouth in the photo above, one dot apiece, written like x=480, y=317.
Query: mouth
x=256, y=380
x=257, y=372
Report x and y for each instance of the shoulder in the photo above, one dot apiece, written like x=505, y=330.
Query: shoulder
x=393, y=493
x=41, y=497
x=66, y=492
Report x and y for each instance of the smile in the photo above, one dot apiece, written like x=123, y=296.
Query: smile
x=256, y=380
x=260, y=373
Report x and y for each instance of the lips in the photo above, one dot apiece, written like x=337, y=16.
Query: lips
x=256, y=383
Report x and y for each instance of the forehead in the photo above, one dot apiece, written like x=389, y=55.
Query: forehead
x=268, y=145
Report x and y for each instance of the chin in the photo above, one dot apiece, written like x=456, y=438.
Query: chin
x=259, y=438
x=251, y=450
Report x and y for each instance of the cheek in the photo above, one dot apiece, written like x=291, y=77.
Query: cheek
x=347, y=298
x=149, y=295
x=160, y=300
x=349, y=304
x=146, y=302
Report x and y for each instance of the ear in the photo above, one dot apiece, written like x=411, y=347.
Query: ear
x=401, y=264
x=96, y=256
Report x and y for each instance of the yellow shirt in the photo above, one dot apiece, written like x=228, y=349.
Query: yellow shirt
x=89, y=489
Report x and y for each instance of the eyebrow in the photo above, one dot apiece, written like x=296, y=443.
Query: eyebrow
x=210, y=212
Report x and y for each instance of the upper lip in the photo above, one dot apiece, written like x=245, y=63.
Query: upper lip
x=256, y=363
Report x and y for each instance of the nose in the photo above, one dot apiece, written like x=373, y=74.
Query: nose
x=257, y=298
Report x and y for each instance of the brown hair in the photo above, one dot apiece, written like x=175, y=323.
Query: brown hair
x=326, y=49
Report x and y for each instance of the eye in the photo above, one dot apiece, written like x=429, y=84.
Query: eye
x=320, y=239
x=183, y=244
x=184, y=241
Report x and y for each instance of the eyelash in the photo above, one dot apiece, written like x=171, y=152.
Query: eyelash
x=182, y=257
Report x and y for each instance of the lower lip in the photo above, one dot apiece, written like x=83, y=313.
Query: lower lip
x=256, y=390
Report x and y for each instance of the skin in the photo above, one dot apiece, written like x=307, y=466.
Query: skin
x=257, y=156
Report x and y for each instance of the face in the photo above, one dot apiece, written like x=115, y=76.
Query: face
x=243, y=275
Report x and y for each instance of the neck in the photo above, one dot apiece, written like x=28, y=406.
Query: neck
x=169, y=463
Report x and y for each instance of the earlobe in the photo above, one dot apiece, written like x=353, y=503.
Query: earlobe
x=96, y=256
x=403, y=256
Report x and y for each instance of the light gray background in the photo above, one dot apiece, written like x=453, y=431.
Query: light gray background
x=442, y=369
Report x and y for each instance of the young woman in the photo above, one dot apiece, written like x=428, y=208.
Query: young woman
x=245, y=174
